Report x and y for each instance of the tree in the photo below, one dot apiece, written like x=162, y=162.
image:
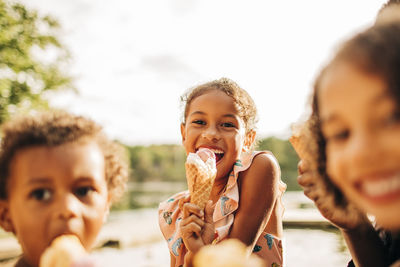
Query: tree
x=286, y=157
x=31, y=59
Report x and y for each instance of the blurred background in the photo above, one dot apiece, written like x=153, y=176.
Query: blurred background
x=125, y=64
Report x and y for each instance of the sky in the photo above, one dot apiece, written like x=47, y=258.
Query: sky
x=132, y=60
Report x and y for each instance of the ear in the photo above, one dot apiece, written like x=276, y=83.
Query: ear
x=183, y=132
x=5, y=218
x=249, y=140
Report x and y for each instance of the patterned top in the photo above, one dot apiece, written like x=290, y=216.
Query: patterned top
x=268, y=246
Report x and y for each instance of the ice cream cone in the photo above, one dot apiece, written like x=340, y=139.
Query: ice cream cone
x=64, y=250
x=303, y=144
x=200, y=177
x=228, y=253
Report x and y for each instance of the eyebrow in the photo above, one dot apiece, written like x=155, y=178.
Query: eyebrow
x=85, y=178
x=39, y=180
x=197, y=113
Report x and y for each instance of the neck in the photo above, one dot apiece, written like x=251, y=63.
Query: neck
x=218, y=188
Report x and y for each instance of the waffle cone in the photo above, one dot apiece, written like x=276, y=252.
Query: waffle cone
x=200, y=182
x=62, y=252
x=303, y=144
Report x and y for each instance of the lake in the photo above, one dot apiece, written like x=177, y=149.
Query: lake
x=308, y=239
x=311, y=243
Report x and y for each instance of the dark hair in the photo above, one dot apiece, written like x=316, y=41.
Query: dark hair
x=388, y=4
x=244, y=103
x=55, y=128
x=374, y=51
x=389, y=12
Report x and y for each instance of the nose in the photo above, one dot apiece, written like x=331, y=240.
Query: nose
x=67, y=207
x=211, y=133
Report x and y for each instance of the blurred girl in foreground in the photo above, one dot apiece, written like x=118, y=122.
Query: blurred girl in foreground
x=355, y=123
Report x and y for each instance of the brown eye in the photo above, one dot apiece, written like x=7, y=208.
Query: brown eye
x=228, y=124
x=41, y=194
x=83, y=191
x=200, y=122
x=339, y=136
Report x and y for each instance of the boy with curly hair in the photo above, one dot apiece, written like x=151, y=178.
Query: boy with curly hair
x=59, y=174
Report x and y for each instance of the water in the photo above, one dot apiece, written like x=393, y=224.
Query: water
x=141, y=242
x=144, y=245
x=304, y=248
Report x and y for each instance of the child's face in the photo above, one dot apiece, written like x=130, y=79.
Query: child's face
x=361, y=126
x=213, y=122
x=54, y=191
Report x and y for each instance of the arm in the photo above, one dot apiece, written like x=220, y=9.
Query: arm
x=258, y=193
x=363, y=242
x=173, y=260
x=365, y=246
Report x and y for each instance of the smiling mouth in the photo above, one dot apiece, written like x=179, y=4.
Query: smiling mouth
x=219, y=154
x=385, y=188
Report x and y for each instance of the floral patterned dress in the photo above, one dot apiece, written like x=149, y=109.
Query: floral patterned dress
x=268, y=246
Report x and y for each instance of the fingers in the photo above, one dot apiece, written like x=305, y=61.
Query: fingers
x=189, y=208
x=312, y=193
x=191, y=228
x=182, y=201
x=192, y=219
x=303, y=166
x=307, y=178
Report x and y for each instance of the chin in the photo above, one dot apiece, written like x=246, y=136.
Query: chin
x=387, y=216
x=389, y=223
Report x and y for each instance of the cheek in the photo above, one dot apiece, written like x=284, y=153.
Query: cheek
x=239, y=140
x=94, y=217
x=335, y=165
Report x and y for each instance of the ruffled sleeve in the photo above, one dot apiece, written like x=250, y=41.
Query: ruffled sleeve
x=228, y=203
x=169, y=217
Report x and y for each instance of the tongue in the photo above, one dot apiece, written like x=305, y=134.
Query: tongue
x=218, y=157
x=205, y=153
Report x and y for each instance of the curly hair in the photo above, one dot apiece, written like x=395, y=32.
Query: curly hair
x=54, y=128
x=389, y=12
x=389, y=3
x=244, y=103
x=374, y=51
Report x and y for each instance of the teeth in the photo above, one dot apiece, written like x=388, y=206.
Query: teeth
x=382, y=187
x=216, y=151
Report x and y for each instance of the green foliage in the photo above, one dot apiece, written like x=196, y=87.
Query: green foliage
x=157, y=163
x=287, y=158
x=31, y=59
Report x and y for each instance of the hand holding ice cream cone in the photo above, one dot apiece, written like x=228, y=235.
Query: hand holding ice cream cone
x=314, y=186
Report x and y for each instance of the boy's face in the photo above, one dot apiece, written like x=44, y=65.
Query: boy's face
x=54, y=191
x=361, y=126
